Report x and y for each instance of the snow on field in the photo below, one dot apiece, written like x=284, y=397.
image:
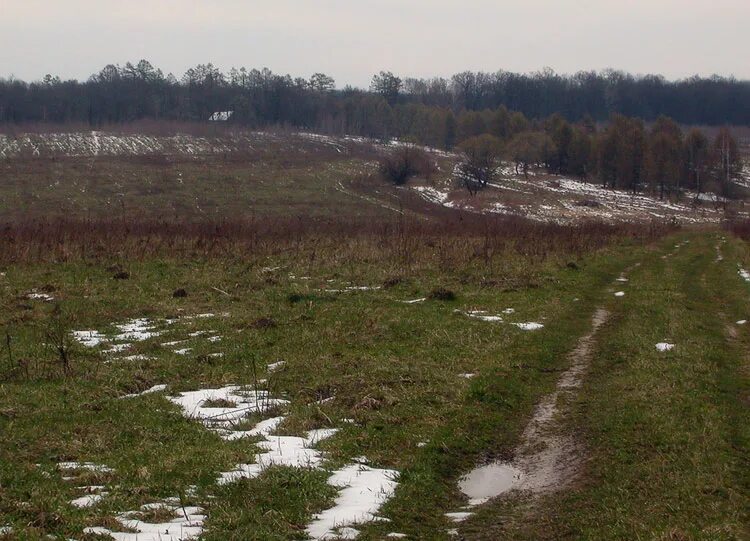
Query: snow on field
x=89, y=500
x=186, y=524
x=744, y=274
x=363, y=490
x=96, y=143
x=154, y=389
x=275, y=366
x=483, y=315
x=34, y=296
x=664, y=346
x=565, y=200
x=134, y=330
x=352, y=289
x=744, y=178
x=529, y=326
x=222, y=408
x=290, y=451
x=89, y=466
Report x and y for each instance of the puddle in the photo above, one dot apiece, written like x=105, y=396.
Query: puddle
x=490, y=481
x=547, y=458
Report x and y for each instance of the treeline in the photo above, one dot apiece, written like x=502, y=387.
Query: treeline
x=390, y=107
x=626, y=154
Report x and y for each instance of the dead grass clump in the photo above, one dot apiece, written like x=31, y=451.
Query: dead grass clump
x=392, y=282
x=593, y=203
x=442, y=294
x=264, y=323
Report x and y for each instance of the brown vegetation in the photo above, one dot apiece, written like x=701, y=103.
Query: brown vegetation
x=457, y=238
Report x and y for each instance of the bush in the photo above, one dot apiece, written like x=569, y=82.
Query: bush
x=480, y=155
x=404, y=163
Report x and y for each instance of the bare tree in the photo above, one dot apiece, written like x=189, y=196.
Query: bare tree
x=480, y=155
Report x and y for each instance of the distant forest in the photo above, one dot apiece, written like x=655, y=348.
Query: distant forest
x=391, y=107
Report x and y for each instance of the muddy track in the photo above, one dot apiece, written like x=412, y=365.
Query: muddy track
x=548, y=458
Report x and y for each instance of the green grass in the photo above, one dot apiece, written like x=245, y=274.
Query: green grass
x=394, y=368
x=666, y=433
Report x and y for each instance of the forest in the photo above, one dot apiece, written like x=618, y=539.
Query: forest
x=261, y=98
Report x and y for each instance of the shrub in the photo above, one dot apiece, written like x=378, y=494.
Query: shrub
x=404, y=163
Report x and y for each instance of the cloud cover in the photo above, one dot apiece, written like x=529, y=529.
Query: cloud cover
x=353, y=39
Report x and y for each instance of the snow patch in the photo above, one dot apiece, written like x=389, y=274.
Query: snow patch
x=363, y=491
x=529, y=326
x=154, y=389
x=186, y=524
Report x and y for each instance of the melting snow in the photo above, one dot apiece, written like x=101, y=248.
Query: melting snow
x=292, y=451
x=40, y=297
x=482, y=315
x=90, y=466
x=275, y=366
x=89, y=500
x=459, y=516
x=363, y=491
x=244, y=402
x=154, y=389
x=744, y=274
x=186, y=524
x=529, y=326
x=664, y=346
x=135, y=330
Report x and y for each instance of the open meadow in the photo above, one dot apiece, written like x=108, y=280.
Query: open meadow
x=256, y=337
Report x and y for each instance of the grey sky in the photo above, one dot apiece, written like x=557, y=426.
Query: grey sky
x=352, y=39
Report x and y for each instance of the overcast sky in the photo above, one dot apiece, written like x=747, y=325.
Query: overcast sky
x=352, y=39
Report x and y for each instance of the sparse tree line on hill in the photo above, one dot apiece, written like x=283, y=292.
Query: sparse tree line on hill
x=554, y=124
x=625, y=154
x=392, y=107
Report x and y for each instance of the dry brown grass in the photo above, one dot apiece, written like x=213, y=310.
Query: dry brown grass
x=453, y=241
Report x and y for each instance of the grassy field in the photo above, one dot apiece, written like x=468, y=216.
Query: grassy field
x=418, y=388
x=351, y=330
